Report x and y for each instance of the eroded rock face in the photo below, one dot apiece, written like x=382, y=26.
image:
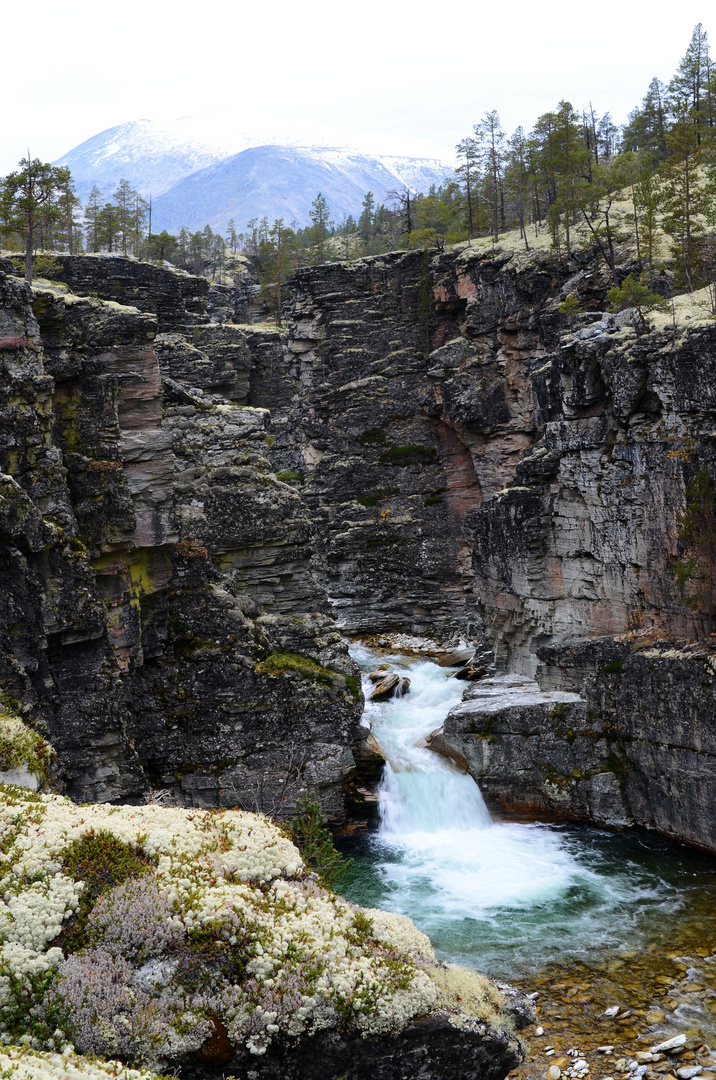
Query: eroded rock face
x=520, y=471
x=637, y=746
x=389, y=483
x=561, y=455
x=158, y=614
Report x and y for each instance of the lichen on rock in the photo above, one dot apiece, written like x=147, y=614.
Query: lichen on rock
x=196, y=922
x=25, y=757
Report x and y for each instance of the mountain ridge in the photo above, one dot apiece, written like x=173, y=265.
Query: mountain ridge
x=182, y=165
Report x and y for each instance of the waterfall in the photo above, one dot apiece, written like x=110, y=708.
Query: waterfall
x=480, y=889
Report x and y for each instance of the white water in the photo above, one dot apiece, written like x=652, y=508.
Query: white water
x=478, y=887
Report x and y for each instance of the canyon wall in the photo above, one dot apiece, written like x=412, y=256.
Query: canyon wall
x=431, y=448
x=488, y=461
x=490, y=465
x=159, y=623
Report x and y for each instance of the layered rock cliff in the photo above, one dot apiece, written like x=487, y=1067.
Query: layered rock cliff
x=483, y=462
x=159, y=623
x=454, y=456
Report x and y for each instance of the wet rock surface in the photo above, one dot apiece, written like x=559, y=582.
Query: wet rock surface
x=645, y=1013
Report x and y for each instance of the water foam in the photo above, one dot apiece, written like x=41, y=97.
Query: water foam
x=478, y=887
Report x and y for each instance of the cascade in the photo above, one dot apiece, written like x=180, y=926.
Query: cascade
x=505, y=897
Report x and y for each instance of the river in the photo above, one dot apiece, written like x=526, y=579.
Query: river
x=588, y=918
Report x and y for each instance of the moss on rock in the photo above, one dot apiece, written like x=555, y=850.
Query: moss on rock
x=193, y=921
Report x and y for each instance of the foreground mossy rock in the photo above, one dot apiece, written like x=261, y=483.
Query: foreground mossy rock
x=25, y=757
x=24, y=1063
x=191, y=939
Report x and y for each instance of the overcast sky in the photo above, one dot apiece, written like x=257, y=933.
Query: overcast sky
x=425, y=71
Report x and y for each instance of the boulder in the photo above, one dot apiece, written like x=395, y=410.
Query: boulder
x=386, y=688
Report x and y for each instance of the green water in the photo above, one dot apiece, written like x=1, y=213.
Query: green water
x=592, y=917
x=630, y=891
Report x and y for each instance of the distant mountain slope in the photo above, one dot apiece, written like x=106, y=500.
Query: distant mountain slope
x=151, y=156
x=282, y=182
x=204, y=169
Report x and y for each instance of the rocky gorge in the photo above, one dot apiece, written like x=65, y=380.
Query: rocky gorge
x=197, y=511
x=430, y=448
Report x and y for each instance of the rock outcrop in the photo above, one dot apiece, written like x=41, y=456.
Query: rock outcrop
x=191, y=942
x=159, y=620
x=638, y=745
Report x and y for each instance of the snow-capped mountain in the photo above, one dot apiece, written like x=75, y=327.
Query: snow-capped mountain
x=205, y=170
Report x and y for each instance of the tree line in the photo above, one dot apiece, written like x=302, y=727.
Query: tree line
x=566, y=172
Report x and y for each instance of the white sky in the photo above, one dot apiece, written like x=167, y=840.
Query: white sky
x=426, y=71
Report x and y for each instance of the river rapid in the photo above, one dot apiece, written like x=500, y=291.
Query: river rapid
x=588, y=918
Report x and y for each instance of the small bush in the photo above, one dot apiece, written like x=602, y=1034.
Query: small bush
x=571, y=307
x=634, y=294
x=133, y=921
x=409, y=455
x=313, y=839
x=102, y=861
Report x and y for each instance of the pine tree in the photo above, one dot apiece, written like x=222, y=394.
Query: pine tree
x=634, y=294
x=517, y=179
x=647, y=196
x=489, y=139
x=91, y=215
x=320, y=219
x=468, y=172
x=646, y=130
x=68, y=226
x=688, y=90
x=29, y=201
x=366, y=221
x=688, y=196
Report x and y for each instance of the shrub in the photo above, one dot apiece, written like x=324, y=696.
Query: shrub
x=101, y=861
x=313, y=839
x=409, y=455
x=633, y=294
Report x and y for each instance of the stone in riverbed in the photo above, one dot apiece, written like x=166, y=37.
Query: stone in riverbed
x=612, y=1010
x=669, y=1044
x=655, y=1016
x=386, y=688
x=380, y=672
x=553, y=1072
x=687, y=1072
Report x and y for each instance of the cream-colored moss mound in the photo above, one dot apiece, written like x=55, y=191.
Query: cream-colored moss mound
x=469, y=997
x=134, y=931
x=23, y=753
x=24, y=1064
